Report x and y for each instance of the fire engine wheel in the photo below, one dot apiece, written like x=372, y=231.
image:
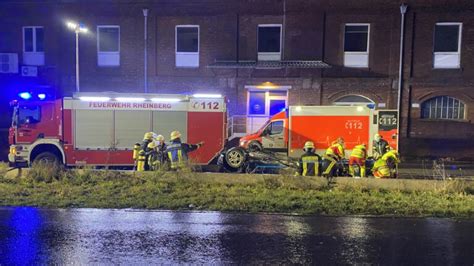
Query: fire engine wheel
x=235, y=157
x=46, y=158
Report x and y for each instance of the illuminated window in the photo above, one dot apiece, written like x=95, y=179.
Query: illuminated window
x=187, y=46
x=108, y=45
x=269, y=42
x=266, y=103
x=443, y=107
x=33, y=45
x=257, y=103
x=356, y=45
x=447, y=45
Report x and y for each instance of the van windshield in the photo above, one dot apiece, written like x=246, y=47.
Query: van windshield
x=262, y=127
x=29, y=114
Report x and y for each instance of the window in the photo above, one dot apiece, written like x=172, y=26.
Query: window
x=277, y=105
x=269, y=42
x=351, y=100
x=356, y=45
x=261, y=104
x=443, y=107
x=187, y=46
x=447, y=45
x=108, y=45
x=275, y=128
x=33, y=45
x=257, y=103
x=266, y=103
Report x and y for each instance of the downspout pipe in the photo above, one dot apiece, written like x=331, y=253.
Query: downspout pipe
x=403, y=10
x=283, y=32
x=145, y=51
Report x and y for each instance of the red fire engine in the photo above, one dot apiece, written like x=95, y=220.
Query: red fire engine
x=100, y=129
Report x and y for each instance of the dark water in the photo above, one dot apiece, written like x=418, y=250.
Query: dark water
x=84, y=236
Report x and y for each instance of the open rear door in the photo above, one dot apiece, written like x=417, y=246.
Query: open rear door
x=387, y=122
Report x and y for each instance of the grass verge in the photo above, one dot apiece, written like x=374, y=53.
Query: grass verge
x=49, y=187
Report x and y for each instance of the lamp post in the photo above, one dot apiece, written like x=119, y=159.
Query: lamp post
x=403, y=11
x=145, y=30
x=77, y=28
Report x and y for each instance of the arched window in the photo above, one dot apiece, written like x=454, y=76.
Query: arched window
x=353, y=100
x=443, y=107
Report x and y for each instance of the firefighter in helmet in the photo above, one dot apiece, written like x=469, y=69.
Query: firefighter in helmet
x=334, y=154
x=157, y=153
x=386, y=166
x=143, y=154
x=357, y=161
x=380, y=146
x=309, y=162
x=177, y=151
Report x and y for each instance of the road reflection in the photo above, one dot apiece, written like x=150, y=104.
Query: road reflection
x=93, y=236
x=23, y=242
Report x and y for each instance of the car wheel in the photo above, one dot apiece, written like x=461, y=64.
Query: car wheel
x=235, y=157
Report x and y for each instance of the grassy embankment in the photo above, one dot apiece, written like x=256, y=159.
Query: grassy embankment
x=48, y=187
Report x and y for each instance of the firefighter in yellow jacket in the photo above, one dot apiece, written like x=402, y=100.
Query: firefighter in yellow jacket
x=386, y=166
x=157, y=158
x=333, y=155
x=357, y=161
x=177, y=151
x=309, y=161
x=142, y=161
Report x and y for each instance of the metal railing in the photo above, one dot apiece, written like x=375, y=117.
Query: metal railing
x=236, y=126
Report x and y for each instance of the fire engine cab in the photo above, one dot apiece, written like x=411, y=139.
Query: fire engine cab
x=100, y=129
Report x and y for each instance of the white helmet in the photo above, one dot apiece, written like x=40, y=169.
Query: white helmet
x=377, y=137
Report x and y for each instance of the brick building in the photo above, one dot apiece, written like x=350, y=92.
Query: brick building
x=262, y=54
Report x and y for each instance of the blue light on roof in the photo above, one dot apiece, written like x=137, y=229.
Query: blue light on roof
x=25, y=95
x=41, y=96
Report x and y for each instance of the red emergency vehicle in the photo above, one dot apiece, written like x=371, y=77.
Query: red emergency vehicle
x=288, y=130
x=100, y=129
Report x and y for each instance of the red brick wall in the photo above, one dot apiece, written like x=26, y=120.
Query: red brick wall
x=314, y=31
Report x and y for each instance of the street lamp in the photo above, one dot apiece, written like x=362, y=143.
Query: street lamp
x=77, y=28
x=403, y=11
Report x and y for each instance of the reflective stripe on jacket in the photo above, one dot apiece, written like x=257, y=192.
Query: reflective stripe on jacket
x=391, y=156
x=176, y=155
x=336, y=150
x=309, y=164
x=359, y=152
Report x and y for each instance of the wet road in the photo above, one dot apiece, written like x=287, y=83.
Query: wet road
x=84, y=236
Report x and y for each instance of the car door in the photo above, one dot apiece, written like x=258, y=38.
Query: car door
x=273, y=136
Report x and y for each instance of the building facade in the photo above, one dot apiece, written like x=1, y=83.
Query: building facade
x=263, y=55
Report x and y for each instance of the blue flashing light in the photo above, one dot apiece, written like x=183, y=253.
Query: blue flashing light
x=41, y=96
x=371, y=105
x=25, y=95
